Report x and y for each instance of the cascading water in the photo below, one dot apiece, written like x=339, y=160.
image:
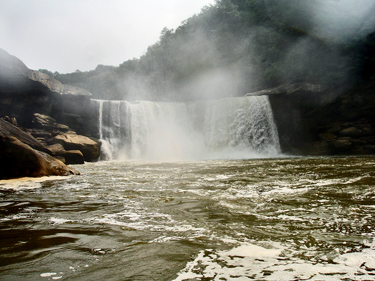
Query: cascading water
x=225, y=128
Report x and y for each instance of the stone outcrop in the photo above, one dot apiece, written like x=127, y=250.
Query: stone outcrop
x=7, y=129
x=24, y=92
x=45, y=112
x=20, y=160
x=64, y=142
x=71, y=141
x=313, y=120
x=23, y=155
x=346, y=138
x=72, y=156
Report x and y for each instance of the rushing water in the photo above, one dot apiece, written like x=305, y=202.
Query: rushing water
x=241, y=127
x=261, y=219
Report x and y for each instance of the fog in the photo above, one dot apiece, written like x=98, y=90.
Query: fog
x=330, y=20
x=205, y=57
x=66, y=35
x=329, y=25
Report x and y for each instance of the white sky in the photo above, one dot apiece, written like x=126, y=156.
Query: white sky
x=65, y=35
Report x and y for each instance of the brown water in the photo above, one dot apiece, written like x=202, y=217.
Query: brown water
x=263, y=219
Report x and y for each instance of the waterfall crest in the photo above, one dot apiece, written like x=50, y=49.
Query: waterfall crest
x=230, y=128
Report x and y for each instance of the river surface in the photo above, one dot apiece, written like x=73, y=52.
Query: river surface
x=260, y=219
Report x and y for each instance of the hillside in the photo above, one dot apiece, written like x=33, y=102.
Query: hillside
x=233, y=48
x=237, y=47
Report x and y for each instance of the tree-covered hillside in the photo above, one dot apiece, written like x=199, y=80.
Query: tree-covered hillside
x=235, y=47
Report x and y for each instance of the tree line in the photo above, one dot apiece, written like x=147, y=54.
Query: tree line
x=229, y=49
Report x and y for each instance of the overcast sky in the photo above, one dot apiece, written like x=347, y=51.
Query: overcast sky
x=66, y=35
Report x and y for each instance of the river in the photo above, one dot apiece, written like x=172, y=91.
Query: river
x=260, y=219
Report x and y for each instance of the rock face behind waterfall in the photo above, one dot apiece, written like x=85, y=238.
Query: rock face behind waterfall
x=313, y=120
x=49, y=111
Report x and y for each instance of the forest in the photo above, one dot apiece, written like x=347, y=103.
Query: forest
x=239, y=46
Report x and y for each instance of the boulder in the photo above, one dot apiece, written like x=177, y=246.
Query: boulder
x=327, y=136
x=71, y=141
x=72, y=156
x=7, y=129
x=341, y=145
x=69, y=156
x=350, y=132
x=45, y=122
x=56, y=149
x=20, y=160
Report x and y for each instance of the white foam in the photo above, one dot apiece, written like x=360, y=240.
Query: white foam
x=274, y=262
x=28, y=182
x=59, y=220
x=48, y=274
x=290, y=218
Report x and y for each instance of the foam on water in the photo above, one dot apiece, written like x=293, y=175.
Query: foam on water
x=140, y=219
x=28, y=182
x=274, y=261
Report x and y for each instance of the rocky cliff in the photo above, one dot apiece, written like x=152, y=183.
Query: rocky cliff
x=24, y=92
x=47, y=116
x=22, y=155
x=314, y=120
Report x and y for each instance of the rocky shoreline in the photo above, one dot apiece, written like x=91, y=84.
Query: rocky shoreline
x=23, y=156
x=44, y=125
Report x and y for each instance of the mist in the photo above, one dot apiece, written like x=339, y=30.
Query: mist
x=237, y=47
x=230, y=128
x=335, y=21
x=66, y=35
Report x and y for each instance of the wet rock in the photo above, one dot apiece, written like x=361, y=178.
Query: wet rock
x=367, y=130
x=327, y=136
x=7, y=129
x=66, y=156
x=358, y=142
x=369, y=149
x=71, y=141
x=23, y=155
x=10, y=120
x=45, y=122
x=351, y=132
x=72, y=156
x=61, y=140
x=341, y=145
x=334, y=129
x=20, y=160
x=320, y=148
x=24, y=92
x=56, y=148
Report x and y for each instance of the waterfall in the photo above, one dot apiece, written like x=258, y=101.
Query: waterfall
x=228, y=128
